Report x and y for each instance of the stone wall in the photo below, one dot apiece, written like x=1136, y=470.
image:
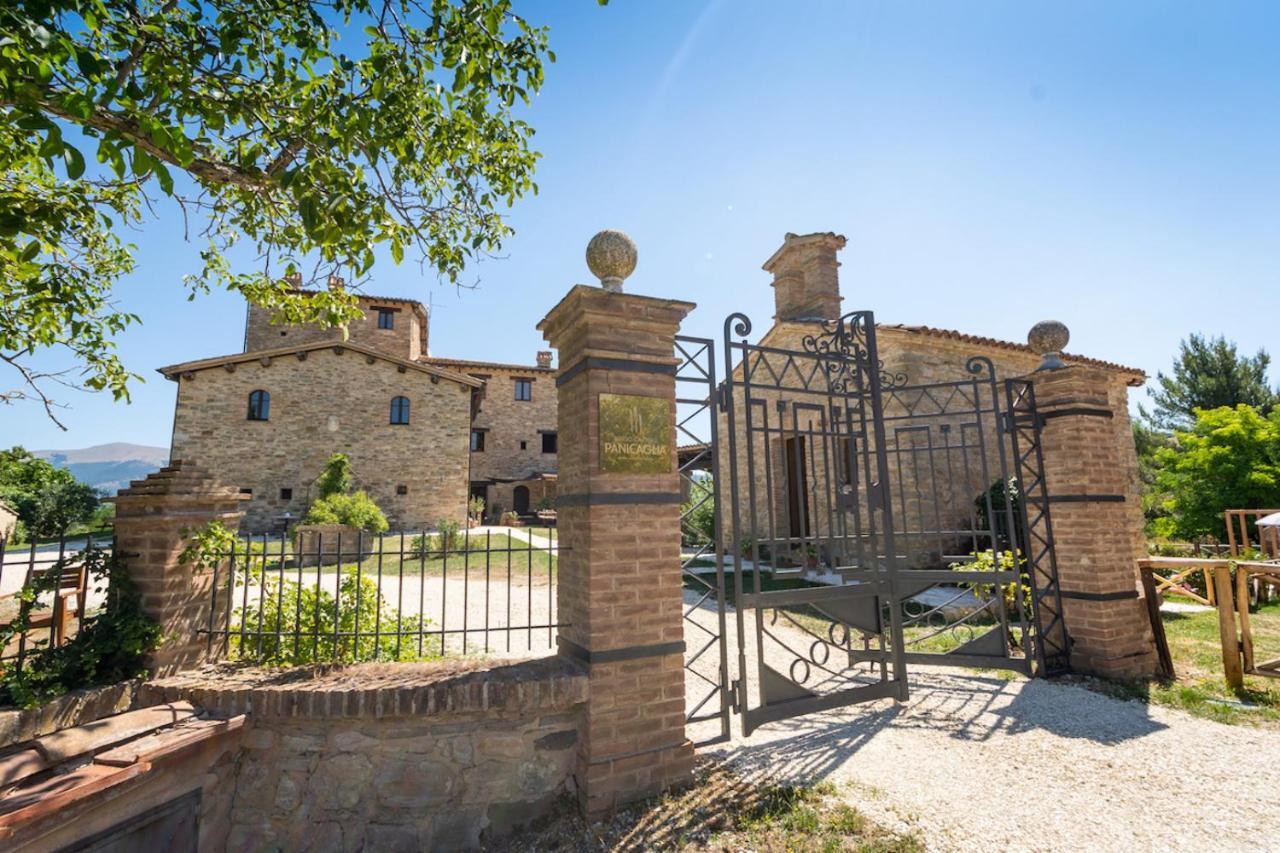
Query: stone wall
x=393, y=756
x=507, y=423
x=407, y=339
x=325, y=403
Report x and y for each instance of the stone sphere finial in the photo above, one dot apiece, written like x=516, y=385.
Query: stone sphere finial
x=611, y=256
x=1049, y=338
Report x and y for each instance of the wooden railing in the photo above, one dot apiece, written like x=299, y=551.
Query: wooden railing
x=1238, y=539
x=1230, y=596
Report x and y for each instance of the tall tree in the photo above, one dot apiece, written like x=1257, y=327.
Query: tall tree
x=1229, y=459
x=1208, y=374
x=48, y=499
x=267, y=132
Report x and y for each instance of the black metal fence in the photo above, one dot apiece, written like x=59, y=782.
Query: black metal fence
x=66, y=595
x=410, y=595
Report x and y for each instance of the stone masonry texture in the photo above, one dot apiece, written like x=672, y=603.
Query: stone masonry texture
x=392, y=757
x=329, y=402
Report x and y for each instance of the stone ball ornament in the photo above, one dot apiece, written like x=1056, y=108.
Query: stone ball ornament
x=1049, y=338
x=611, y=257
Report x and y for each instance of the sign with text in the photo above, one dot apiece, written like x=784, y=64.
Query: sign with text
x=635, y=434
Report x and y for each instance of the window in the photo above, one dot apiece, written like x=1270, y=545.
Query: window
x=548, y=442
x=259, y=405
x=524, y=390
x=248, y=492
x=399, y=410
x=402, y=490
x=386, y=318
x=286, y=494
x=477, y=441
x=524, y=445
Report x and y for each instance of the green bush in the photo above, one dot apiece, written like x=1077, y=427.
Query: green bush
x=109, y=646
x=335, y=479
x=985, y=561
x=699, y=512
x=357, y=510
x=303, y=623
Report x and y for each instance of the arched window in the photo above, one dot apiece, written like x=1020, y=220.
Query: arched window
x=399, y=410
x=259, y=405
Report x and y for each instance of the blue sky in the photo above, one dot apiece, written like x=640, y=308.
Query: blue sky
x=1114, y=166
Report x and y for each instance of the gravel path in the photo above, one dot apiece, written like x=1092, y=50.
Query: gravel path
x=973, y=762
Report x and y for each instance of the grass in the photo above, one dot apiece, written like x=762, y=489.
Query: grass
x=1200, y=688
x=723, y=811
x=496, y=551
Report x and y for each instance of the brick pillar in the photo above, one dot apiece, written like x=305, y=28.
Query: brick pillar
x=151, y=517
x=1091, y=469
x=619, y=567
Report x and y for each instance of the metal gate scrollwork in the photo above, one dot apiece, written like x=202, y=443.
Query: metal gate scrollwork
x=871, y=522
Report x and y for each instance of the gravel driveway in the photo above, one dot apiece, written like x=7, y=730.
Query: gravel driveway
x=973, y=762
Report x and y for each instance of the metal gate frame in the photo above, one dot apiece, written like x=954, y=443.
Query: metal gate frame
x=841, y=372
x=706, y=659
x=838, y=379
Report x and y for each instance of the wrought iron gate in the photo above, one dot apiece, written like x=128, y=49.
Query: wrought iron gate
x=870, y=523
x=706, y=658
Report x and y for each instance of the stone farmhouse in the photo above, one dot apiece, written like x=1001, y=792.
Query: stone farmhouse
x=424, y=434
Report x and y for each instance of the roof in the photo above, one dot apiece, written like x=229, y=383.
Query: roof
x=174, y=370
x=996, y=343
x=495, y=365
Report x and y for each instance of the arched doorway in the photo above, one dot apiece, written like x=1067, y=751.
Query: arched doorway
x=520, y=499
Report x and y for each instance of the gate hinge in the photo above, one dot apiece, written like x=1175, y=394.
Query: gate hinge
x=735, y=694
x=723, y=394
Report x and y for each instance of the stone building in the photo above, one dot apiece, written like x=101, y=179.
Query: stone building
x=942, y=393
x=424, y=434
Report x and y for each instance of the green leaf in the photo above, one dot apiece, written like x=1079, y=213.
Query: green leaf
x=74, y=161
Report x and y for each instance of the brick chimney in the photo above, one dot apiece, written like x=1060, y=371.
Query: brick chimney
x=337, y=283
x=806, y=281
x=544, y=358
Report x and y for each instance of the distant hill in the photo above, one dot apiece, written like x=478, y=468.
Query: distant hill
x=109, y=467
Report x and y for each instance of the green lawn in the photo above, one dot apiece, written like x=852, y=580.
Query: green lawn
x=395, y=554
x=1200, y=687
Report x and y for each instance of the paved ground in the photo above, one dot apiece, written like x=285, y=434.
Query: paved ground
x=973, y=762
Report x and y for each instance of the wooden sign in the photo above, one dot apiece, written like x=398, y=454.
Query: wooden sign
x=635, y=434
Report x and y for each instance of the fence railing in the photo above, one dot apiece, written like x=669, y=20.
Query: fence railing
x=409, y=595
x=56, y=613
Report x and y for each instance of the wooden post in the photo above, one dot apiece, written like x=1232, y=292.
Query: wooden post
x=1157, y=624
x=1242, y=609
x=1227, y=628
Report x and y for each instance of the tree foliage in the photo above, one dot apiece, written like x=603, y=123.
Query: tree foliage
x=1229, y=459
x=356, y=510
x=313, y=133
x=48, y=499
x=1209, y=374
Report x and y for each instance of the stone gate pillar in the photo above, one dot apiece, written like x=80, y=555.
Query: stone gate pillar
x=151, y=517
x=618, y=514
x=1091, y=470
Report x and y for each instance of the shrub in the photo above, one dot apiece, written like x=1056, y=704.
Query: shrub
x=108, y=647
x=985, y=561
x=357, y=510
x=448, y=536
x=335, y=479
x=304, y=623
x=1003, y=495
x=510, y=518
x=699, y=512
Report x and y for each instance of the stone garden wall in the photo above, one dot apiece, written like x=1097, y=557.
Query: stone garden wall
x=392, y=756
